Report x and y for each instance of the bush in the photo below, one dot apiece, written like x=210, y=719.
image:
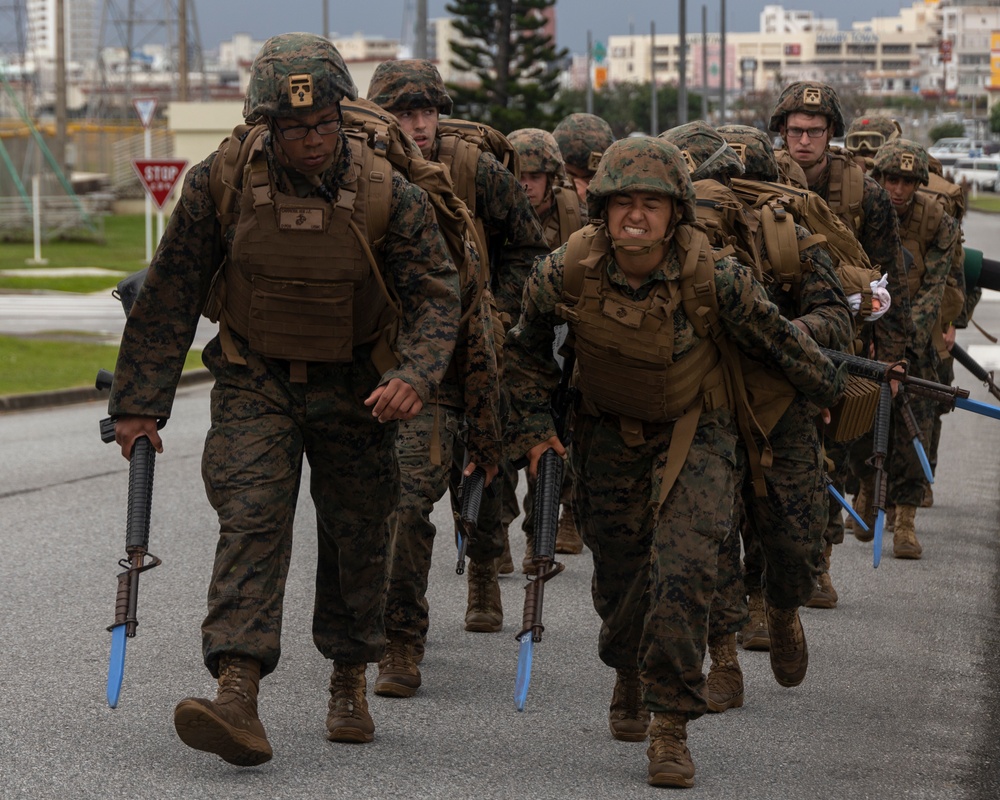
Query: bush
x=946, y=130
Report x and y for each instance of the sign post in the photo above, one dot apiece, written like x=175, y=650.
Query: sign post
x=158, y=176
x=145, y=108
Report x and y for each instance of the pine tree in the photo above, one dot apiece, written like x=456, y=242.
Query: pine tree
x=514, y=59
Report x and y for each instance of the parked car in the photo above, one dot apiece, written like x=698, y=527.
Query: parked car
x=957, y=145
x=983, y=173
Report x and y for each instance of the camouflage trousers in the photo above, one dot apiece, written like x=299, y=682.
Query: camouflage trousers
x=262, y=425
x=907, y=481
x=782, y=532
x=412, y=539
x=655, y=566
x=946, y=375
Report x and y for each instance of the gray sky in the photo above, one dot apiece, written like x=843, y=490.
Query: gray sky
x=218, y=20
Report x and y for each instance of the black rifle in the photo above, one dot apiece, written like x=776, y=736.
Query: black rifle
x=877, y=462
x=548, y=488
x=962, y=356
x=140, y=497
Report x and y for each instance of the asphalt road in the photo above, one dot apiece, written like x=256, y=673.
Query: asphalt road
x=902, y=699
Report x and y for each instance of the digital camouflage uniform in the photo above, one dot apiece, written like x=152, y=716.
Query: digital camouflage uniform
x=655, y=552
x=782, y=532
x=503, y=208
x=933, y=247
x=873, y=222
x=264, y=422
x=563, y=213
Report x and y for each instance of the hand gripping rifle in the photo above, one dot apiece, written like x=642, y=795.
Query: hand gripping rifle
x=877, y=462
x=962, y=356
x=470, y=492
x=548, y=488
x=140, y=496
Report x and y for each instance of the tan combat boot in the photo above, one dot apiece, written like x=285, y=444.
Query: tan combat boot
x=928, y=499
x=862, y=504
x=484, y=613
x=789, y=653
x=755, y=635
x=227, y=726
x=506, y=563
x=398, y=674
x=824, y=595
x=348, y=719
x=904, y=536
x=567, y=536
x=670, y=761
x=628, y=717
x=724, y=687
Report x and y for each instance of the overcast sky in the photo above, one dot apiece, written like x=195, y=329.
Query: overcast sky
x=218, y=20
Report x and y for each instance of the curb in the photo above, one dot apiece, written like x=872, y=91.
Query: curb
x=80, y=394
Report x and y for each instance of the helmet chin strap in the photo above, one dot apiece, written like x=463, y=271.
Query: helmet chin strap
x=636, y=247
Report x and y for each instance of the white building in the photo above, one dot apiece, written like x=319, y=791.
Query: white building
x=81, y=24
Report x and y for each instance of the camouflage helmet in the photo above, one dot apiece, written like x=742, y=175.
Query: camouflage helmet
x=409, y=84
x=537, y=151
x=902, y=158
x=296, y=73
x=867, y=134
x=809, y=97
x=582, y=140
x=705, y=152
x=642, y=165
x=753, y=146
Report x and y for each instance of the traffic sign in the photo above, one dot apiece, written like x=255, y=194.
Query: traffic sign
x=145, y=107
x=159, y=176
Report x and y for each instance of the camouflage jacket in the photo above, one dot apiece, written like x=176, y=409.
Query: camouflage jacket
x=747, y=316
x=939, y=257
x=879, y=238
x=506, y=212
x=821, y=304
x=162, y=325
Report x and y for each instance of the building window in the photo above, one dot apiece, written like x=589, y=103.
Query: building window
x=828, y=49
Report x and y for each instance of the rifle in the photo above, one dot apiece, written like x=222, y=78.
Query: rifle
x=548, y=488
x=877, y=462
x=951, y=397
x=140, y=496
x=962, y=356
x=470, y=498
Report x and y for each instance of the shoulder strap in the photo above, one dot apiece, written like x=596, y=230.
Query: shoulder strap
x=568, y=210
x=225, y=179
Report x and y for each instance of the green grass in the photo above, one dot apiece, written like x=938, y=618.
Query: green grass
x=123, y=249
x=984, y=203
x=36, y=365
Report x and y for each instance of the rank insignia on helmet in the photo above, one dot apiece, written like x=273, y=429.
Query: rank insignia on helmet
x=300, y=89
x=689, y=160
x=906, y=162
x=593, y=160
x=812, y=96
x=741, y=150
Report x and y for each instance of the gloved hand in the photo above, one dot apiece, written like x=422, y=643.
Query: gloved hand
x=881, y=301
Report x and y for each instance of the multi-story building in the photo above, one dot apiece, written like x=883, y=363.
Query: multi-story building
x=81, y=23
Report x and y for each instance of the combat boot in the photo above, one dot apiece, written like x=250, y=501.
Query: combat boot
x=348, y=719
x=670, y=761
x=724, y=687
x=628, y=717
x=824, y=595
x=862, y=504
x=755, y=635
x=398, y=674
x=227, y=726
x=789, y=653
x=485, y=611
x=506, y=563
x=568, y=539
x=904, y=537
x=927, y=501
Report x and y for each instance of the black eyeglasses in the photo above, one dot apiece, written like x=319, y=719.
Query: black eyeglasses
x=302, y=131
x=794, y=134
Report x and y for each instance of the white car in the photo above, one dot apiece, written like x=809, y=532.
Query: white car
x=983, y=173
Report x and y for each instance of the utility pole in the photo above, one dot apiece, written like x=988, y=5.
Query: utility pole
x=704, y=62
x=590, y=69
x=722, y=64
x=326, y=18
x=59, y=145
x=420, y=50
x=182, y=51
x=654, y=112
x=682, y=93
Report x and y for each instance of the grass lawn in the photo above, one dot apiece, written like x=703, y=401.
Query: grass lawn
x=36, y=365
x=123, y=250
x=985, y=202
